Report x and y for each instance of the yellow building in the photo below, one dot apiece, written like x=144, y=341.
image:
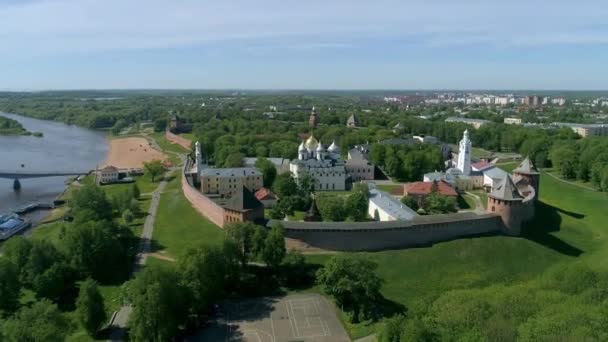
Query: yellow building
x=227, y=182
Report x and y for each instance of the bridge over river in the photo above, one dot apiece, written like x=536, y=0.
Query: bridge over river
x=17, y=175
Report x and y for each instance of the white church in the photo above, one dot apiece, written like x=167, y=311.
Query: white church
x=325, y=166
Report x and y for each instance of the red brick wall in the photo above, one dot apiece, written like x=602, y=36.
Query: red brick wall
x=202, y=204
x=183, y=142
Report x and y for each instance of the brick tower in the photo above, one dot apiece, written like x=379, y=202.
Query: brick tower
x=313, y=120
x=506, y=201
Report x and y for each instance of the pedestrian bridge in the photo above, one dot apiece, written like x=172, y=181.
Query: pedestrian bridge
x=24, y=175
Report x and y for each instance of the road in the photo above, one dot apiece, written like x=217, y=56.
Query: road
x=119, y=323
x=478, y=205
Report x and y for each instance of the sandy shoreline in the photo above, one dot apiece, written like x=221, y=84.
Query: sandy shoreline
x=131, y=152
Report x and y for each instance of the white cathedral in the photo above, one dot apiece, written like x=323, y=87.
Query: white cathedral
x=326, y=167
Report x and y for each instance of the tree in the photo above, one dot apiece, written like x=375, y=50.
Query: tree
x=202, y=273
x=258, y=241
x=274, y=246
x=331, y=207
x=285, y=185
x=98, y=249
x=127, y=216
x=17, y=251
x=45, y=271
x=93, y=199
x=436, y=203
x=40, y=322
x=154, y=168
x=135, y=192
x=357, y=203
x=9, y=286
x=565, y=158
x=90, y=310
x=269, y=171
x=160, y=125
x=410, y=202
x=234, y=160
x=392, y=329
x=159, y=305
x=242, y=233
x=352, y=281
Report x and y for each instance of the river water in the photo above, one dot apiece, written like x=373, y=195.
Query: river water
x=62, y=148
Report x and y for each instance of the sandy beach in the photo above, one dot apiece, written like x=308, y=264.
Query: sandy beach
x=131, y=153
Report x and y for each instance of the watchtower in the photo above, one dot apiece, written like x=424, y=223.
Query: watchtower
x=529, y=174
x=506, y=201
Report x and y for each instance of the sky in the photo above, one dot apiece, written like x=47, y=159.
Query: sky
x=304, y=44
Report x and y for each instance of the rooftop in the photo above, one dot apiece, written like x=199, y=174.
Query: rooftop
x=482, y=165
x=506, y=191
x=526, y=167
x=426, y=188
x=230, y=172
x=391, y=205
x=242, y=201
x=265, y=194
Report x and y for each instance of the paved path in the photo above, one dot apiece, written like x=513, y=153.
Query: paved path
x=568, y=182
x=119, y=323
x=478, y=205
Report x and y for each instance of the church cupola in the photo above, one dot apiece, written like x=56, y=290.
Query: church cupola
x=302, y=152
x=334, y=150
x=320, y=152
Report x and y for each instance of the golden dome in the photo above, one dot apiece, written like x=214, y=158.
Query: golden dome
x=311, y=143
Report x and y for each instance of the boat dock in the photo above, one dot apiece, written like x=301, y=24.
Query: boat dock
x=11, y=225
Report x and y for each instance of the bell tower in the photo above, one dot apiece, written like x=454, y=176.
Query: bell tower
x=313, y=120
x=464, y=154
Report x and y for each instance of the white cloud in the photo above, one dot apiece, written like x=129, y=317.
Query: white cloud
x=72, y=26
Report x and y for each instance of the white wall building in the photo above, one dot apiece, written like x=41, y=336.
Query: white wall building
x=107, y=175
x=326, y=167
x=384, y=207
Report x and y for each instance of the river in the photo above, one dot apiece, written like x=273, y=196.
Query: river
x=62, y=148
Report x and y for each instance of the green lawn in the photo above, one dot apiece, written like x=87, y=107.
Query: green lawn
x=178, y=226
x=415, y=276
x=167, y=145
x=389, y=187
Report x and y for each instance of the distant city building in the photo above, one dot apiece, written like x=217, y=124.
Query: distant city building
x=585, y=130
x=326, y=167
x=313, y=120
x=560, y=101
x=352, y=122
x=474, y=122
x=513, y=121
x=532, y=101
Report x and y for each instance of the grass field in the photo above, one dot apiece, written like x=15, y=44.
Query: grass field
x=388, y=187
x=178, y=226
x=570, y=226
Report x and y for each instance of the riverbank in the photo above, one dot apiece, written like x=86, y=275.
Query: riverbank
x=131, y=152
x=10, y=126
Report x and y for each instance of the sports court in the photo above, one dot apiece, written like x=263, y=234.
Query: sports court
x=305, y=318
